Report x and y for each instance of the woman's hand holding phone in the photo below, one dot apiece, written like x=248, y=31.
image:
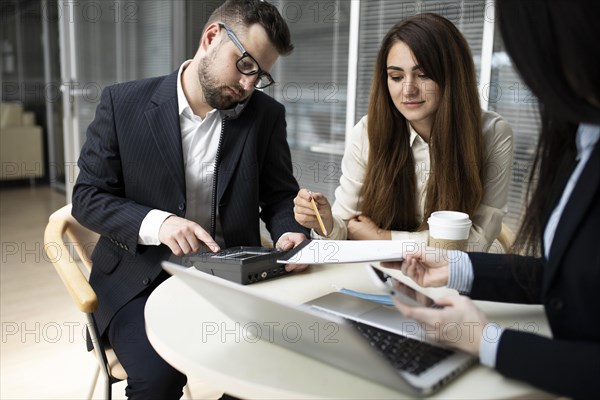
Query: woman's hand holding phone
x=399, y=290
x=457, y=323
x=456, y=312
x=427, y=268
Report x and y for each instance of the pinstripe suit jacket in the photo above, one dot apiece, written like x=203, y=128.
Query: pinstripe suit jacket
x=132, y=163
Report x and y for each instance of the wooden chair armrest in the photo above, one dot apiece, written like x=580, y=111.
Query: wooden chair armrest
x=75, y=281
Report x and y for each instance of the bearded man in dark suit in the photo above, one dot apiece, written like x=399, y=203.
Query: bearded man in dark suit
x=178, y=163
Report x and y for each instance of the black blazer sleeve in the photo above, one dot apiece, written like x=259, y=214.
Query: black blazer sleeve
x=100, y=201
x=562, y=366
x=506, y=278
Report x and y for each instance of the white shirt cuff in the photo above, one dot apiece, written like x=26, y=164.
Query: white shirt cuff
x=460, y=271
x=150, y=227
x=488, y=346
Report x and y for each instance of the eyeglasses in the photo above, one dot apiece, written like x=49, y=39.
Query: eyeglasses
x=247, y=65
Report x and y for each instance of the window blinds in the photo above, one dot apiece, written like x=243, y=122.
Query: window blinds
x=311, y=83
x=377, y=17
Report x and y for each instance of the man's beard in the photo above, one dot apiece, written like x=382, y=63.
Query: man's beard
x=216, y=95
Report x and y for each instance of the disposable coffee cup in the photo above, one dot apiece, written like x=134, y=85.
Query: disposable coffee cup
x=449, y=230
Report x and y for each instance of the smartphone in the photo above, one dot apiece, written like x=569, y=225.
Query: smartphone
x=399, y=290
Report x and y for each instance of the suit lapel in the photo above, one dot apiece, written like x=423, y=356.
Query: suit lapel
x=234, y=138
x=574, y=212
x=164, y=125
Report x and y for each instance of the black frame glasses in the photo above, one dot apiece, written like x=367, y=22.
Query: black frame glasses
x=246, y=64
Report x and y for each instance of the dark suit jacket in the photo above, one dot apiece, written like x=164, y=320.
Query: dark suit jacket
x=132, y=163
x=568, y=285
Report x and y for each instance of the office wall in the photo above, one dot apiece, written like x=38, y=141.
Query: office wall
x=314, y=85
x=22, y=73
x=324, y=84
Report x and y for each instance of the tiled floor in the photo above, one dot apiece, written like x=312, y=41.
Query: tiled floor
x=42, y=353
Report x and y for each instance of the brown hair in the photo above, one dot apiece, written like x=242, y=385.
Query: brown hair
x=243, y=13
x=567, y=89
x=456, y=141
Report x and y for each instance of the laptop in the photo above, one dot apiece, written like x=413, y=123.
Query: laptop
x=397, y=361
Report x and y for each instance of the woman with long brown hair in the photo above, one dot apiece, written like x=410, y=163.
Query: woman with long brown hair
x=425, y=145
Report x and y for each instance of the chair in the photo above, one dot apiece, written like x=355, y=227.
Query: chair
x=61, y=223
x=506, y=237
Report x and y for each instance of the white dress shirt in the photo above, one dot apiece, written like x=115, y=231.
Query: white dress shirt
x=199, y=140
x=487, y=220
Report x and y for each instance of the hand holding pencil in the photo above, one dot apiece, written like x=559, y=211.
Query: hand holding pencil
x=316, y=210
x=312, y=210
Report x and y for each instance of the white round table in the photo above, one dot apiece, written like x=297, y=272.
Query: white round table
x=196, y=338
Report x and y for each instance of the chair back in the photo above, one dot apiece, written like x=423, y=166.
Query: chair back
x=65, y=254
x=69, y=246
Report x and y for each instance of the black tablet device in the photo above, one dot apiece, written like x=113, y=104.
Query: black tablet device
x=406, y=294
x=242, y=264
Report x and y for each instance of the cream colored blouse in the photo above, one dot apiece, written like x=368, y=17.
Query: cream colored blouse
x=487, y=221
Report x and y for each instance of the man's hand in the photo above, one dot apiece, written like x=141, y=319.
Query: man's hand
x=287, y=242
x=362, y=227
x=184, y=237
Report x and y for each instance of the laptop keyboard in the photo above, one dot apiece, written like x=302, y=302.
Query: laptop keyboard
x=405, y=354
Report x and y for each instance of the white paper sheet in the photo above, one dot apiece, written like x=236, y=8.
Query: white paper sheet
x=347, y=251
